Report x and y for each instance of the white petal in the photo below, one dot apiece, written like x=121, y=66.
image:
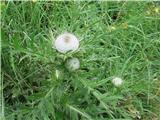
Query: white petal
x=66, y=42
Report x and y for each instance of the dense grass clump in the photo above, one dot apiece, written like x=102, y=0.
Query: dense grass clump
x=117, y=39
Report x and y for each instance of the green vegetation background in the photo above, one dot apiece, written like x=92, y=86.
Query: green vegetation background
x=116, y=39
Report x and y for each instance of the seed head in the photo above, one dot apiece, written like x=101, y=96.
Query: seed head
x=117, y=81
x=73, y=64
x=66, y=42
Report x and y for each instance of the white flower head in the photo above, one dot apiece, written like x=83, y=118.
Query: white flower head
x=66, y=42
x=117, y=81
x=73, y=64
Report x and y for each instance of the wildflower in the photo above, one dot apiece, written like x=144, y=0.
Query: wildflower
x=66, y=42
x=73, y=64
x=117, y=81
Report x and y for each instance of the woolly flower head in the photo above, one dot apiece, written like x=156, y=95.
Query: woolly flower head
x=73, y=64
x=66, y=42
x=117, y=81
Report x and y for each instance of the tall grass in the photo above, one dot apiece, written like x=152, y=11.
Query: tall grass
x=117, y=39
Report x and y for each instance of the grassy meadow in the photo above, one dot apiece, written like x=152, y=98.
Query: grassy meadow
x=117, y=39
